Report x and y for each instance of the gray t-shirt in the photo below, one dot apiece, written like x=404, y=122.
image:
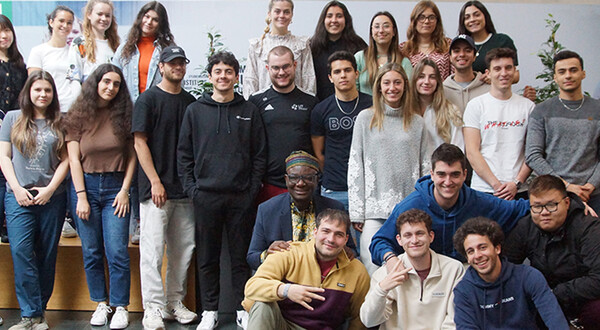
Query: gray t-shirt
x=35, y=171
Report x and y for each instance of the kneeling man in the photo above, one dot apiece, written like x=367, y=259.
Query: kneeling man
x=497, y=294
x=417, y=293
x=313, y=285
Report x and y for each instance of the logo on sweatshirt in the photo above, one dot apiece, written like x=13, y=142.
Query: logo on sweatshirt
x=341, y=285
x=242, y=118
x=496, y=304
x=269, y=107
x=438, y=294
x=299, y=107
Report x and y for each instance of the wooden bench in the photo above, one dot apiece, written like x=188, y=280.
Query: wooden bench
x=70, y=286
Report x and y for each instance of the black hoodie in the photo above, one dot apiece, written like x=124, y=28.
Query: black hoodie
x=222, y=147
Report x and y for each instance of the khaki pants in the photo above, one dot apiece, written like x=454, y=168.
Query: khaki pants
x=267, y=316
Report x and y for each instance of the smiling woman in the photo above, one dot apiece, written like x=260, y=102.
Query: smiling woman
x=334, y=32
x=138, y=56
x=383, y=48
x=377, y=177
x=52, y=56
x=425, y=37
x=99, y=41
x=102, y=161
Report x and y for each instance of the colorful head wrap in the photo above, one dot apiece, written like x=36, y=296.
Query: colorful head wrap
x=301, y=158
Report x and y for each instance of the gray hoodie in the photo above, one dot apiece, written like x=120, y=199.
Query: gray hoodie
x=460, y=96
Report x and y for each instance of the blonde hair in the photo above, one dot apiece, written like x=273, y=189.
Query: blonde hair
x=379, y=101
x=446, y=113
x=268, y=20
x=89, y=44
x=394, y=54
x=439, y=40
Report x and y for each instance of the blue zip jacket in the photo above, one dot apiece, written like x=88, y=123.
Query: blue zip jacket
x=511, y=302
x=470, y=203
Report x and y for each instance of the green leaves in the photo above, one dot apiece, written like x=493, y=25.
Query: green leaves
x=546, y=54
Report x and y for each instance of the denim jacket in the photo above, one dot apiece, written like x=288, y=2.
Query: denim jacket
x=131, y=70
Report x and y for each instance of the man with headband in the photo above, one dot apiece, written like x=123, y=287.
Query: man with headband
x=290, y=216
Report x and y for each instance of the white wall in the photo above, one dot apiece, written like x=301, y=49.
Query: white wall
x=240, y=20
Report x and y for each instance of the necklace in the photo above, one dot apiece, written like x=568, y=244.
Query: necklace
x=340, y=107
x=566, y=107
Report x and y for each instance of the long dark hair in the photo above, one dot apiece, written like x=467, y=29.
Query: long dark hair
x=318, y=42
x=84, y=109
x=163, y=36
x=489, y=25
x=14, y=56
x=24, y=131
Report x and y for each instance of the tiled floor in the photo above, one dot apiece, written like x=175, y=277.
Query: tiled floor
x=67, y=320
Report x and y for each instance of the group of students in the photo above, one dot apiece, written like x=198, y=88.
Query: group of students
x=91, y=107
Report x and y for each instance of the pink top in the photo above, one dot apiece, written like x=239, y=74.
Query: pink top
x=441, y=59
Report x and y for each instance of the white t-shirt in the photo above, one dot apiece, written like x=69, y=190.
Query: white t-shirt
x=82, y=67
x=456, y=136
x=502, y=125
x=55, y=61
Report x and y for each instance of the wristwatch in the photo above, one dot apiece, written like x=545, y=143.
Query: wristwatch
x=518, y=183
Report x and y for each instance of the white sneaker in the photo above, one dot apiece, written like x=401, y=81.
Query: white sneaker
x=100, y=316
x=210, y=320
x=29, y=323
x=135, y=237
x=67, y=230
x=153, y=319
x=121, y=319
x=242, y=319
x=177, y=310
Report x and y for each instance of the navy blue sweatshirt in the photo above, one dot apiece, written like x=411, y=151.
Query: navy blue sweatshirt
x=222, y=147
x=511, y=302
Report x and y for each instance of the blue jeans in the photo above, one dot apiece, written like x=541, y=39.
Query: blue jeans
x=104, y=233
x=34, y=232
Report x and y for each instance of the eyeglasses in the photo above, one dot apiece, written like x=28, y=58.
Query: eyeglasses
x=275, y=68
x=382, y=26
x=550, y=207
x=294, y=179
x=423, y=18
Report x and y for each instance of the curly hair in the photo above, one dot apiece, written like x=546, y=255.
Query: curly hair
x=163, y=37
x=318, y=42
x=412, y=36
x=445, y=112
x=111, y=33
x=24, y=131
x=85, y=108
x=413, y=216
x=13, y=54
x=477, y=226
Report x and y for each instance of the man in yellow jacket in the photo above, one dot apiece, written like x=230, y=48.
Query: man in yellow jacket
x=313, y=285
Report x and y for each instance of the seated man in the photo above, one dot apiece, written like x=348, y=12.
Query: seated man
x=417, y=293
x=313, y=285
x=289, y=216
x=497, y=294
x=449, y=203
x=562, y=243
